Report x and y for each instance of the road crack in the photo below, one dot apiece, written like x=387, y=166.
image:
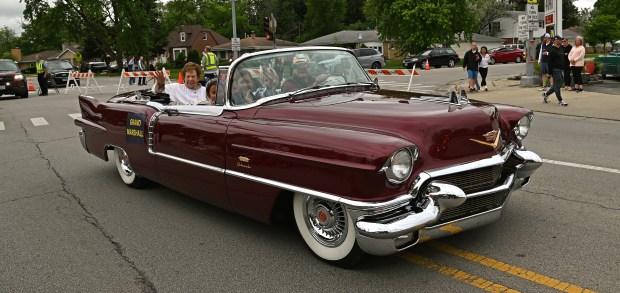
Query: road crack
x=142, y=279
x=571, y=200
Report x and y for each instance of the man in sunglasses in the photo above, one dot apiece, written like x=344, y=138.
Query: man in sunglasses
x=566, y=47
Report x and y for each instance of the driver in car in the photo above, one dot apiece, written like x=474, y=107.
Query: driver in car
x=191, y=92
x=301, y=79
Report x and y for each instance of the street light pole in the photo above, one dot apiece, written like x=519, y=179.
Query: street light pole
x=234, y=23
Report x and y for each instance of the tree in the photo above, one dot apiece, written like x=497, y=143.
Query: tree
x=419, y=24
x=602, y=30
x=289, y=15
x=319, y=11
x=116, y=27
x=488, y=11
x=570, y=14
x=610, y=7
x=8, y=39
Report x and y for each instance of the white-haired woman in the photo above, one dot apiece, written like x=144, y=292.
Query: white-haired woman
x=576, y=59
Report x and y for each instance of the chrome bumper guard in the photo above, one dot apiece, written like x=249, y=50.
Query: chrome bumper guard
x=403, y=227
x=83, y=139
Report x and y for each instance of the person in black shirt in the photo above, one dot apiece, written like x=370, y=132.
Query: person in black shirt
x=471, y=61
x=555, y=57
x=566, y=47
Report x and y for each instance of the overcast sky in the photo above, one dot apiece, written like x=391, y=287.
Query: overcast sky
x=11, y=12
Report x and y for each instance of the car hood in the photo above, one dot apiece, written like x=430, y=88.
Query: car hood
x=442, y=131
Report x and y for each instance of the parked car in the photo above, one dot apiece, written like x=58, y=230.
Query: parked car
x=436, y=57
x=12, y=81
x=97, y=66
x=59, y=72
x=505, y=55
x=514, y=46
x=369, y=58
x=357, y=169
x=610, y=63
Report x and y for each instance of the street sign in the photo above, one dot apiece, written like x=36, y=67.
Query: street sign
x=549, y=12
x=236, y=44
x=523, y=24
x=532, y=13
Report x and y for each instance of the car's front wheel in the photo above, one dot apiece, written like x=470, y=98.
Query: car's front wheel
x=327, y=230
x=451, y=63
x=518, y=60
x=492, y=60
x=125, y=170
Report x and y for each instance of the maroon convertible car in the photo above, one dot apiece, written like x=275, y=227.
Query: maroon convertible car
x=316, y=142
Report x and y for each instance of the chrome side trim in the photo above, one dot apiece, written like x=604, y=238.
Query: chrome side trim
x=202, y=110
x=492, y=161
x=196, y=164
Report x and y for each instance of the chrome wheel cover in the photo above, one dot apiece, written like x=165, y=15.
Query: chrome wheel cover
x=124, y=163
x=326, y=221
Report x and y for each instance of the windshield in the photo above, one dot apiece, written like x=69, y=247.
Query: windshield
x=59, y=65
x=8, y=66
x=426, y=53
x=288, y=72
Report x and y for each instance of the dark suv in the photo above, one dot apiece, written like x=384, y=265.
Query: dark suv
x=12, y=81
x=436, y=57
x=59, y=72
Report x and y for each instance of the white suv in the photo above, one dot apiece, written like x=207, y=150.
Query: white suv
x=369, y=58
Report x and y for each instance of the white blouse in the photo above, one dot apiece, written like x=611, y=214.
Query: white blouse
x=183, y=95
x=484, y=62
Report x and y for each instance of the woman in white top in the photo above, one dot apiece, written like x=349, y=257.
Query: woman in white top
x=189, y=93
x=575, y=57
x=484, y=66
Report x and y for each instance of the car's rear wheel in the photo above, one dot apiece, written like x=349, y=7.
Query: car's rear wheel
x=375, y=65
x=327, y=229
x=128, y=175
x=492, y=60
x=451, y=63
x=518, y=60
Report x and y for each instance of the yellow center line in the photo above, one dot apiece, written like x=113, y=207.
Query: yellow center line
x=456, y=274
x=510, y=269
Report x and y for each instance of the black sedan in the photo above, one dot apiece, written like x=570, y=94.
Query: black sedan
x=58, y=71
x=436, y=57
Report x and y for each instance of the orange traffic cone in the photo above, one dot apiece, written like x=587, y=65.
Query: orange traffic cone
x=180, y=78
x=428, y=65
x=30, y=86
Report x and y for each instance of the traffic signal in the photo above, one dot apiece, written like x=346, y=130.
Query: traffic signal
x=269, y=36
x=266, y=23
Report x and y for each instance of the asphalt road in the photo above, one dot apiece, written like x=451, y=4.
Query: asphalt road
x=69, y=224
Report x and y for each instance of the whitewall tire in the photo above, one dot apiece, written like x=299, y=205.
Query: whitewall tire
x=128, y=175
x=327, y=230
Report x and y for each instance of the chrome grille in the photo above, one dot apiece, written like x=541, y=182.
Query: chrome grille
x=474, y=180
x=473, y=206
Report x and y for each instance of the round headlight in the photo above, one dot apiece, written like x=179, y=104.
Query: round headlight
x=400, y=165
x=523, y=126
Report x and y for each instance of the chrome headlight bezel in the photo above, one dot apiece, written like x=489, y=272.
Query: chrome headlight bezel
x=522, y=128
x=399, y=166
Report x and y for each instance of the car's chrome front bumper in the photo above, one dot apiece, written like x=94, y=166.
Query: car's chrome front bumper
x=415, y=217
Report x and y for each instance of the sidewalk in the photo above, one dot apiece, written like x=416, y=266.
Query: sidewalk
x=584, y=104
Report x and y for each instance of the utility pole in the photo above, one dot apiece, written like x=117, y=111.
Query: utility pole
x=234, y=23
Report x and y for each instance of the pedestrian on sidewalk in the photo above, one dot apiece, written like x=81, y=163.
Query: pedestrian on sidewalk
x=566, y=48
x=555, y=57
x=141, y=67
x=484, y=66
x=471, y=62
x=543, y=60
x=576, y=58
x=131, y=68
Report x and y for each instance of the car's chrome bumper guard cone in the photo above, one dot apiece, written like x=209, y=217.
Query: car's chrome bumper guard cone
x=83, y=139
x=386, y=236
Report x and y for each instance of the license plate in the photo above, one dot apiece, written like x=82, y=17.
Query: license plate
x=64, y=79
x=2, y=87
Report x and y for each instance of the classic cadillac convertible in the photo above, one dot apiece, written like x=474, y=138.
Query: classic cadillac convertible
x=304, y=134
